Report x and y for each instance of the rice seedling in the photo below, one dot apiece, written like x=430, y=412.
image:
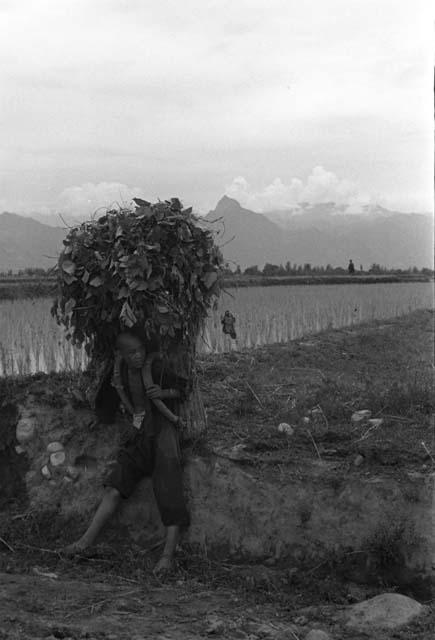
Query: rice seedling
x=31, y=341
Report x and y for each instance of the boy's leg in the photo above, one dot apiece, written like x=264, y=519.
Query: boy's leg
x=166, y=560
x=168, y=490
x=134, y=461
x=105, y=511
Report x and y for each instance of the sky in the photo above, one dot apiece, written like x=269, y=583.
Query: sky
x=269, y=101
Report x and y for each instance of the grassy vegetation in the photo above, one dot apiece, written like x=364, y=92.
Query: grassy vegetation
x=313, y=384
x=382, y=366
x=306, y=279
x=30, y=340
x=316, y=384
x=21, y=287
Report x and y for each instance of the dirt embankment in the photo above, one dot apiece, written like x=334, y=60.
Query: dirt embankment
x=45, y=287
x=314, y=385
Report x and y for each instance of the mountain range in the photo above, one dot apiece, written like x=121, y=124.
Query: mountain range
x=318, y=234
x=322, y=234
x=25, y=242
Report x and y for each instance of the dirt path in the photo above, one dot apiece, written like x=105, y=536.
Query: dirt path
x=38, y=607
x=33, y=607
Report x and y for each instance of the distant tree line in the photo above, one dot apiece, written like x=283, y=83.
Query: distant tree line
x=30, y=272
x=289, y=269
x=269, y=270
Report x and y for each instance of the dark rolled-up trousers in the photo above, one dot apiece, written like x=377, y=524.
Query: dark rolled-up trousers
x=153, y=453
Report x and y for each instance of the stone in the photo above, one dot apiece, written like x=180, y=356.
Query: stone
x=72, y=472
x=316, y=411
x=58, y=458
x=317, y=634
x=288, y=633
x=376, y=422
x=283, y=427
x=46, y=472
x=54, y=447
x=358, y=460
x=355, y=593
x=386, y=611
x=26, y=429
x=78, y=397
x=215, y=625
x=19, y=449
x=360, y=416
x=266, y=630
x=237, y=452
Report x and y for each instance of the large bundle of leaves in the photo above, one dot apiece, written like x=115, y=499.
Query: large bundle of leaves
x=154, y=266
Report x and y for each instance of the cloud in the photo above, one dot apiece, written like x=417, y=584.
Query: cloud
x=84, y=200
x=180, y=96
x=320, y=186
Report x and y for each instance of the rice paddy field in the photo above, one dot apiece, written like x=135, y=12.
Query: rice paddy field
x=31, y=341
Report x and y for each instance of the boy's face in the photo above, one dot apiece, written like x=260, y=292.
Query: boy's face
x=133, y=351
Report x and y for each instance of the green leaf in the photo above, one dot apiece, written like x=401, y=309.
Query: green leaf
x=69, y=306
x=68, y=266
x=141, y=203
x=127, y=316
x=159, y=259
x=209, y=279
x=123, y=293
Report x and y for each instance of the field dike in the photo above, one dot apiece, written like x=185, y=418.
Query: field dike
x=371, y=526
x=311, y=499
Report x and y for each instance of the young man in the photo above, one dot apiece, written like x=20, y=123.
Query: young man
x=152, y=450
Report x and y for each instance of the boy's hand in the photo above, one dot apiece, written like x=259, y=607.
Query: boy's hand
x=154, y=392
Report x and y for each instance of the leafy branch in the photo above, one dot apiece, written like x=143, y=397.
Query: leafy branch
x=153, y=266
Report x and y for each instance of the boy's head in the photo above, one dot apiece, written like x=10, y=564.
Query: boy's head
x=132, y=349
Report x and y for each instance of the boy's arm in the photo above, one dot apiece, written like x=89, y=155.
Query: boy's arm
x=173, y=386
x=170, y=394
x=106, y=401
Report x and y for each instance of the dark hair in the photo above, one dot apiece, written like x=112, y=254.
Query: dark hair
x=137, y=333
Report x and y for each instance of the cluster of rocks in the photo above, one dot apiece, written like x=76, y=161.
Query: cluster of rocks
x=56, y=460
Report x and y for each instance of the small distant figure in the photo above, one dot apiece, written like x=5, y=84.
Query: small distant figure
x=227, y=322
x=351, y=267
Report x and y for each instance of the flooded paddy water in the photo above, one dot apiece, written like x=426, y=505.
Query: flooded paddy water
x=31, y=341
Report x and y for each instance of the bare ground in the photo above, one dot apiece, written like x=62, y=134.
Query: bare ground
x=386, y=367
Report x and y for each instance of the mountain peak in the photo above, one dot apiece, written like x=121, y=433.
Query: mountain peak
x=25, y=242
x=227, y=204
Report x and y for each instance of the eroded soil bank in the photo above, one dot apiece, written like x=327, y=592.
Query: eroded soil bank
x=287, y=528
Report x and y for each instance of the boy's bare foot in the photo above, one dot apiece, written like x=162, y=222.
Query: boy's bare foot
x=164, y=566
x=75, y=549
